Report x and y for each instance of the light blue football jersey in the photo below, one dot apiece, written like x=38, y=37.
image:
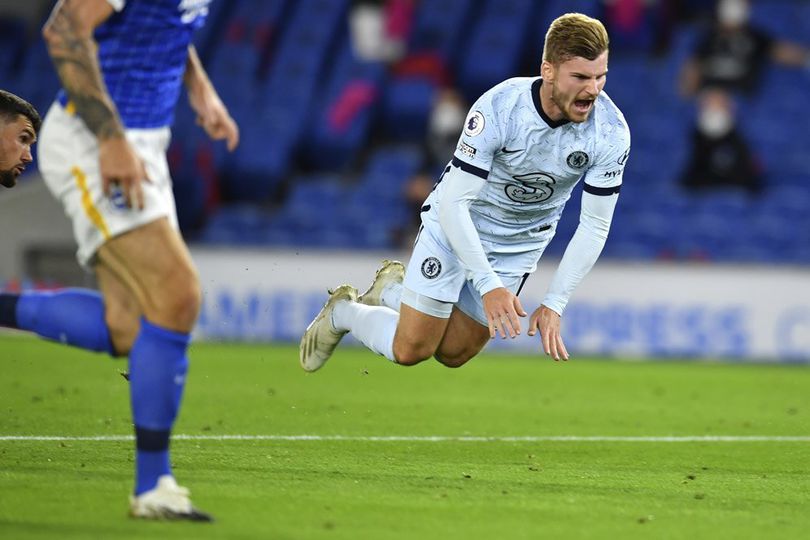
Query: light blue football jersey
x=531, y=165
x=142, y=52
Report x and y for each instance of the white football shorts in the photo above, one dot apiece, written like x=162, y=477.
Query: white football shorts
x=68, y=161
x=435, y=281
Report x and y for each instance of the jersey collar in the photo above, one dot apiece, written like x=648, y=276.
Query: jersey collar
x=537, y=105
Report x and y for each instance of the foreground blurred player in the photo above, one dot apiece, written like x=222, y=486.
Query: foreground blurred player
x=19, y=124
x=102, y=153
x=526, y=143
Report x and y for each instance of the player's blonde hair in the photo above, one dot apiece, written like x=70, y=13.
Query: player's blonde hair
x=574, y=34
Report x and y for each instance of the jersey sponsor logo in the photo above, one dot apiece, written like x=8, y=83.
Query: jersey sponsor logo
x=623, y=158
x=191, y=9
x=475, y=124
x=431, y=267
x=466, y=149
x=578, y=159
x=612, y=174
x=533, y=188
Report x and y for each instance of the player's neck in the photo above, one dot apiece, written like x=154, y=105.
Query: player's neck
x=550, y=109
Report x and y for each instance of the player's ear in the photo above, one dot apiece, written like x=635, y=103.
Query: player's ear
x=547, y=71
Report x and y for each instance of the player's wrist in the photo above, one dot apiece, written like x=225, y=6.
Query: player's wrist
x=555, y=303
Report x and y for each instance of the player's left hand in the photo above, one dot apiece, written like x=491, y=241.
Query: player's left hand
x=213, y=117
x=547, y=322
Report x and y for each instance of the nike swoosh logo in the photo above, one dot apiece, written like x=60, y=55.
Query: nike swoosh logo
x=505, y=151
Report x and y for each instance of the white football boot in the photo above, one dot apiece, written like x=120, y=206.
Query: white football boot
x=389, y=272
x=321, y=338
x=167, y=501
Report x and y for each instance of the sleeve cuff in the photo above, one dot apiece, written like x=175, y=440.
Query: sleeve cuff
x=555, y=303
x=488, y=283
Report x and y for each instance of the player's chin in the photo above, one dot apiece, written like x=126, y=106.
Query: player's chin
x=8, y=179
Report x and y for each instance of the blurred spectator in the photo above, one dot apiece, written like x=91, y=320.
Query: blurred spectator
x=444, y=128
x=732, y=52
x=720, y=155
x=380, y=28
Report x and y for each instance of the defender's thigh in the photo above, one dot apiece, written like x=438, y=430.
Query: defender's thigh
x=155, y=265
x=463, y=338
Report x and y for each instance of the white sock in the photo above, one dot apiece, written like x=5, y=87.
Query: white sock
x=391, y=296
x=374, y=326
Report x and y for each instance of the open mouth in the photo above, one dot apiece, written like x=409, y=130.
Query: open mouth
x=18, y=170
x=582, y=106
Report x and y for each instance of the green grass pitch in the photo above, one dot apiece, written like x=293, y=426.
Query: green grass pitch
x=344, y=484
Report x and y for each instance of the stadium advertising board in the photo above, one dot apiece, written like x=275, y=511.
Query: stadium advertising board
x=620, y=310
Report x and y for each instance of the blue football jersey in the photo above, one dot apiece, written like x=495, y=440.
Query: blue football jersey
x=142, y=51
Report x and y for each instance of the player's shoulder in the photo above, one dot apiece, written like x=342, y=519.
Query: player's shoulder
x=609, y=119
x=508, y=93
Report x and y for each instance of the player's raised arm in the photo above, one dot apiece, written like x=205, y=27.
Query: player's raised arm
x=68, y=34
x=212, y=115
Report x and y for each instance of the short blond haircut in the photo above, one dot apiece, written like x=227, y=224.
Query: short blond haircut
x=572, y=35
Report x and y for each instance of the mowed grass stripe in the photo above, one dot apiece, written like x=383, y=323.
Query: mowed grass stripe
x=429, y=439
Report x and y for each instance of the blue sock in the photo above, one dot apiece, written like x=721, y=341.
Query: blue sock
x=157, y=375
x=71, y=316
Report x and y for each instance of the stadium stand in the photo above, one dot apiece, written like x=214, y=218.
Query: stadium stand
x=329, y=140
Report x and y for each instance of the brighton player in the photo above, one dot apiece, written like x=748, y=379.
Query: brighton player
x=19, y=124
x=525, y=145
x=103, y=155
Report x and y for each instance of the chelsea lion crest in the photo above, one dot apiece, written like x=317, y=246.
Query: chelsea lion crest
x=431, y=267
x=578, y=159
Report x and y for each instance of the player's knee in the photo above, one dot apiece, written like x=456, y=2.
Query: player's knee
x=454, y=360
x=409, y=354
x=178, y=300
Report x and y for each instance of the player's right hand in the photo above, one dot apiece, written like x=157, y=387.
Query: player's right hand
x=503, y=311
x=120, y=165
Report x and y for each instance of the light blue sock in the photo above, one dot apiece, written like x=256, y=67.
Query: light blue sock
x=157, y=374
x=71, y=316
x=374, y=326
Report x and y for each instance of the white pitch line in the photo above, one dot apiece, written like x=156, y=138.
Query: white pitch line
x=431, y=438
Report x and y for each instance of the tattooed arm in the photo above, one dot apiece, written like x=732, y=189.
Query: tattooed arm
x=69, y=37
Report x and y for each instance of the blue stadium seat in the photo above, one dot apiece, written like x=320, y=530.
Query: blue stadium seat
x=440, y=27
x=494, y=47
x=406, y=108
x=344, y=113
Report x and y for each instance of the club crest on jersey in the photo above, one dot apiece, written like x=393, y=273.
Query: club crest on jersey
x=577, y=159
x=474, y=125
x=117, y=199
x=533, y=188
x=431, y=268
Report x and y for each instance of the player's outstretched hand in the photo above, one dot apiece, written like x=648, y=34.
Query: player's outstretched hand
x=213, y=117
x=503, y=312
x=547, y=322
x=120, y=165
